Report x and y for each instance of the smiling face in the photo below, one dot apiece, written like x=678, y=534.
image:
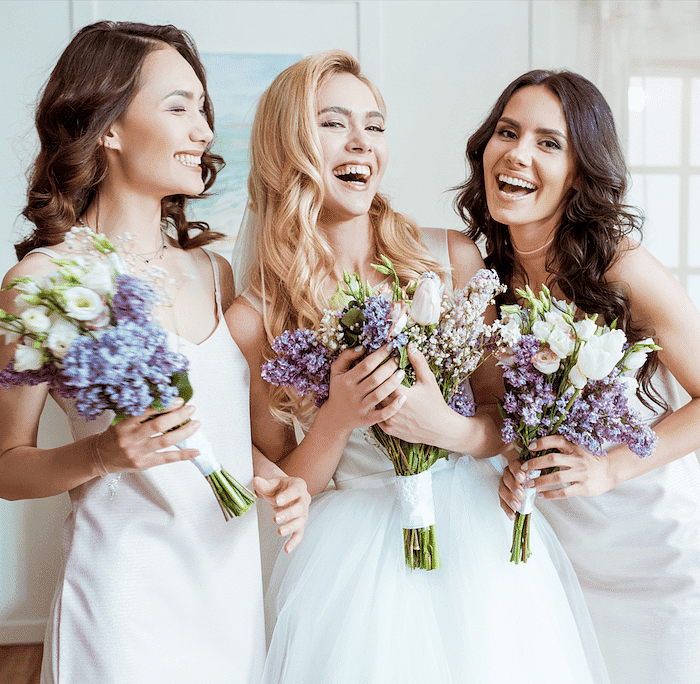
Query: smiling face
x=351, y=131
x=156, y=146
x=529, y=166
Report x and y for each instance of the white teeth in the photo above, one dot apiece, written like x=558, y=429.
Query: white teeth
x=516, y=181
x=188, y=159
x=354, y=169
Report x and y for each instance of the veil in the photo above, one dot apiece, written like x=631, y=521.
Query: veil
x=245, y=251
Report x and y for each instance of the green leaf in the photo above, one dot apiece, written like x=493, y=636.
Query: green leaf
x=184, y=388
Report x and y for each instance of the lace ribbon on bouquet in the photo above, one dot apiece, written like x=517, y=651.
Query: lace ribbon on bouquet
x=415, y=494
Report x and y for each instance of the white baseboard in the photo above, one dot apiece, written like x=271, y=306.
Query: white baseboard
x=22, y=632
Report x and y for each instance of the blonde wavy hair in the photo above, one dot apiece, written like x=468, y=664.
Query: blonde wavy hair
x=285, y=189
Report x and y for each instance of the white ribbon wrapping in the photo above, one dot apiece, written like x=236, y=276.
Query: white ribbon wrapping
x=416, y=496
x=206, y=461
x=528, y=503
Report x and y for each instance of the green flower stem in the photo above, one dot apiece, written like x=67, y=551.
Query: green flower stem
x=520, y=549
x=234, y=499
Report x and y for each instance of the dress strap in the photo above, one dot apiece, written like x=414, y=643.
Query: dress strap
x=44, y=250
x=215, y=270
x=436, y=241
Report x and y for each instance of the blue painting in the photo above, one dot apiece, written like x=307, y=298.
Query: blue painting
x=235, y=82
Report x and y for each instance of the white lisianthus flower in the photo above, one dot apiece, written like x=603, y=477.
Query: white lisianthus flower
x=427, y=300
x=117, y=263
x=83, y=304
x=27, y=286
x=98, y=278
x=27, y=358
x=600, y=354
x=576, y=378
x=585, y=329
x=630, y=386
x=61, y=337
x=35, y=319
x=546, y=361
x=541, y=330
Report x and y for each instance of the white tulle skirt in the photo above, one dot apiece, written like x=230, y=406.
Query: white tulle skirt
x=345, y=609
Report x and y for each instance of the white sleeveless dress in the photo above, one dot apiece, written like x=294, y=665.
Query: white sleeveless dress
x=156, y=586
x=345, y=609
x=636, y=551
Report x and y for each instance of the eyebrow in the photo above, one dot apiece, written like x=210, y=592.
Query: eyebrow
x=541, y=131
x=348, y=112
x=183, y=93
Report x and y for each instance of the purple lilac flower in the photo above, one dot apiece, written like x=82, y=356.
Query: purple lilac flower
x=133, y=300
x=125, y=369
x=48, y=373
x=301, y=363
x=377, y=324
x=463, y=403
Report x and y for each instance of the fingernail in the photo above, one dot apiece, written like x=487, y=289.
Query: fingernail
x=520, y=476
x=178, y=401
x=284, y=531
x=279, y=519
x=540, y=496
x=402, y=400
x=359, y=348
x=515, y=505
x=400, y=375
x=281, y=501
x=533, y=446
x=196, y=453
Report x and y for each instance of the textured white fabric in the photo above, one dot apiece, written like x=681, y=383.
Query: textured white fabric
x=245, y=251
x=345, y=608
x=528, y=503
x=636, y=551
x=416, y=500
x=156, y=586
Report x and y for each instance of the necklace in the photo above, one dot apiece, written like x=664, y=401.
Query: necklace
x=150, y=256
x=533, y=251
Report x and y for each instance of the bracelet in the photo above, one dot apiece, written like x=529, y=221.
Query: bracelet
x=96, y=458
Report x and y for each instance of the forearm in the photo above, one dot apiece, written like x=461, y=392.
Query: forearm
x=478, y=435
x=678, y=434
x=316, y=458
x=30, y=473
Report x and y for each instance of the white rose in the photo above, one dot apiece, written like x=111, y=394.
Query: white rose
x=35, y=319
x=541, y=330
x=99, y=279
x=546, y=361
x=585, y=329
x=28, y=358
x=83, y=304
x=427, y=300
x=600, y=354
x=61, y=337
x=562, y=341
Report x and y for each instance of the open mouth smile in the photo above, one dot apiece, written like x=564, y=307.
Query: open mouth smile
x=189, y=160
x=514, y=186
x=357, y=174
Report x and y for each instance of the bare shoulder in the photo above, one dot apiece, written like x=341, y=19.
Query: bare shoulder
x=228, y=290
x=246, y=326
x=656, y=297
x=34, y=266
x=465, y=257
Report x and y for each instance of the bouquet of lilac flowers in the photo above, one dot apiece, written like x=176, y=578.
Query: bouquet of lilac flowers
x=88, y=331
x=565, y=377
x=449, y=331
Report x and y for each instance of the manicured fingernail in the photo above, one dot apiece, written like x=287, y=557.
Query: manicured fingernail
x=400, y=374
x=358, y=348
x=402, y=400
x=279, y=519
x=284, y=531
x=523, y=466
x=178, y=401
x=515, y=504
x=520, y=476
x=532, y=447
x=280, y=501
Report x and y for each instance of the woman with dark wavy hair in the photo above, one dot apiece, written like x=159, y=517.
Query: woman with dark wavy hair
x=546, y=195
x=156, y=585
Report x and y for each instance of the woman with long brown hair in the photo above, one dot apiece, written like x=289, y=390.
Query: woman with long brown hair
x=156, y=585
x=346, y=608
x=546, y=192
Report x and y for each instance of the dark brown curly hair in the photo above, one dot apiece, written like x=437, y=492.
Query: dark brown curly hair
x=595, y=220
x=90, y=87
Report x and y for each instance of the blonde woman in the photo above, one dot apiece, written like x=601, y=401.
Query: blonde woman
x=346, y=608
